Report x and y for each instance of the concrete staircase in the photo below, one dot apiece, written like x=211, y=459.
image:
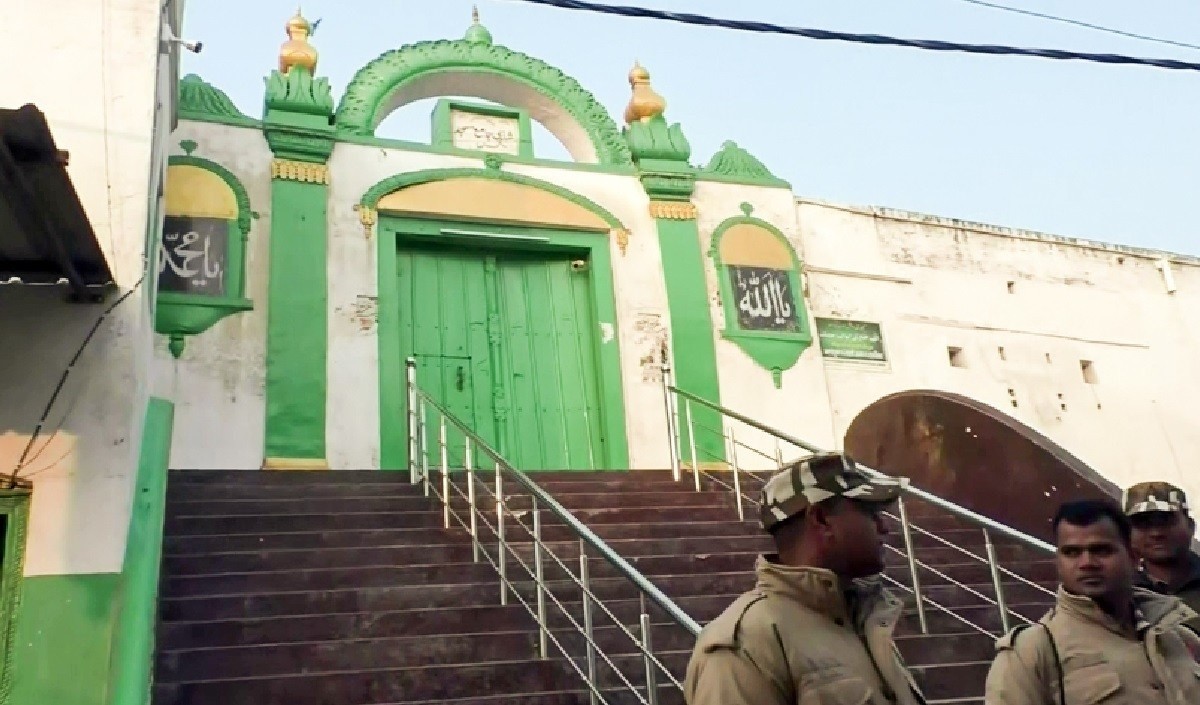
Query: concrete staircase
x=343, y=588
x=702, y=557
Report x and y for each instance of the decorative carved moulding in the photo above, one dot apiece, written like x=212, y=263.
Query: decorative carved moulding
x=306, y=172
x=673, y=210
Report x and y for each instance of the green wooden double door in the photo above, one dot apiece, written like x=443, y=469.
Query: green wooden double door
x=506, y=342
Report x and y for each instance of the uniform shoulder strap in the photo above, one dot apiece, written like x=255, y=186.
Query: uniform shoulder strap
x=1009, y=641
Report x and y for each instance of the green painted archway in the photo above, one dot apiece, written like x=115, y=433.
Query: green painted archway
x=491, y=72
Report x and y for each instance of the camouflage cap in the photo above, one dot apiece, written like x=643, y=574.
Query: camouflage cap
x=818, y=478
x=1154, y=497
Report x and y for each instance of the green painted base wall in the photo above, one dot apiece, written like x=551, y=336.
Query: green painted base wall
x=63, y=637
x=694, y=351
x=296, y=322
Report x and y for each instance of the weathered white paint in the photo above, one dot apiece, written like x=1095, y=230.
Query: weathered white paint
x=800, y=407
x=218, y=383
x=95, y=79
x=935, y=283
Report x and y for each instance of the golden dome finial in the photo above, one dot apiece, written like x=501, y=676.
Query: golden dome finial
x=296, y=51
x=474, y=14
x=645, y=103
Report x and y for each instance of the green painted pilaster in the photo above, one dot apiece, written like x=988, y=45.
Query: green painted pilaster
x=693, y=348
x=298, y=126
x=661, y=152
x=64, y=639
x=133, y=637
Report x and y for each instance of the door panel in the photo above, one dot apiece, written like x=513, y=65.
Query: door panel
x=507, y=342
x=443, y=324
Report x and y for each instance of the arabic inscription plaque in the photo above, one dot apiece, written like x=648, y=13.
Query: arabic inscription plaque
x=764, y=299
x=486, y=133
x=193, y=254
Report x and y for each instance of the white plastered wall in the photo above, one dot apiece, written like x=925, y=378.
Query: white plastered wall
x=95, y=80
x=353, y=404
x=218, y=384
x=801, y=405
x=935, y=283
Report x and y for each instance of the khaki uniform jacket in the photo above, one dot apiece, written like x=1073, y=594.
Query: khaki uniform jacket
x=800, y=638
x=1100, y=662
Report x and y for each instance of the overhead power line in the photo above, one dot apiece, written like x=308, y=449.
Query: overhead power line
x=876, y=39
x=1080, y=23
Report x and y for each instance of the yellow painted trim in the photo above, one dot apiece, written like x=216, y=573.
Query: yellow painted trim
x=368, y=216
x=295, y=464
x=707, y=466
x=750, y=245
x=305, y=172
x=200, y=193
x=490, y=200
x=673, y=210
x=621, y=235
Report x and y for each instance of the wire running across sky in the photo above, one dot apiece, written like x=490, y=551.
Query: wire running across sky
x=1080, y=23
x=875, y=39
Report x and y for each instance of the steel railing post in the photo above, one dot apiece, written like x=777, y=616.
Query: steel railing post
x=647, y=649
x=737, y=475
x=469, y=461
x=543, y=650
x=672, y=420
x=691, y=429
x=1001, y=603
x=445, y=464
x=584, y=579
x=912, y=566
x=501, y=547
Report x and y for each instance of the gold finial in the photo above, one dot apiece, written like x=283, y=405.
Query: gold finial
x=645, y=103
x=474, y=14
x=296, y=51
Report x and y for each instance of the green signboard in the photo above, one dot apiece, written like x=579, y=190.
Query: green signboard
x=851, y=340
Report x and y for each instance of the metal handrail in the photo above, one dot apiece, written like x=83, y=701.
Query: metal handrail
x=671, y=397
x=944, y=504
x=449, y=493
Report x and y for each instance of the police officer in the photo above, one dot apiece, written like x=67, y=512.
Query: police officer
x=815, y=628
x=1105, y=641
x=1162, y=540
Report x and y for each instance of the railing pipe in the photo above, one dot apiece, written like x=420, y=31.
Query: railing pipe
x=737, y=475
x=906, y=527
x=445, y=465
x=414, y=443
x=501, y=547
x=647, y=659
x=579, y=529
x=543, y=632
x=588, y=634
x=691, y=429
x=951, y=507
x=425, y=447
x=469, y=461
x=672, y=420
x=997, y=583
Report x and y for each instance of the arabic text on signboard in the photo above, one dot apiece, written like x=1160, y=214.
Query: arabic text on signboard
x=851, y=340
x=764, y=299
x=192, y=255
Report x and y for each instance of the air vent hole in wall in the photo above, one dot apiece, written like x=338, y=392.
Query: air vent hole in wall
x=1088, y=368
x=1000, y=351
x=1012, y=286
x=957, y=358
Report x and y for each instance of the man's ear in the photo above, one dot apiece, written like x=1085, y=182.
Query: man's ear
x=818, y=516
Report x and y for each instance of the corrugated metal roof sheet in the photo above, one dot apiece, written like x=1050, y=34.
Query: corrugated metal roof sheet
x=45, y=235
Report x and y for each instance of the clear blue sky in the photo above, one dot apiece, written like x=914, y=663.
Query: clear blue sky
x=1085, y=150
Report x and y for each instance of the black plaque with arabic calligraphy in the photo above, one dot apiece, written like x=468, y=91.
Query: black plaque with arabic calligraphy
x=764, y=299
x=193, y=255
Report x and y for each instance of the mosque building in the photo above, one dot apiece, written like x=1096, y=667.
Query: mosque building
x=282, y=268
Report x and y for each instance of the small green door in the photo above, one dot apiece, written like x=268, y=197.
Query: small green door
x=506, y=341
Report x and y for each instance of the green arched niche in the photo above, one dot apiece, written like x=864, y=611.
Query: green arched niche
x=179, y=314
x=758, y=274
x=506, y=77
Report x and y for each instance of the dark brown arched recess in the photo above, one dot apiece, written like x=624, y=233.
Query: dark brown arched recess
x=973, y=455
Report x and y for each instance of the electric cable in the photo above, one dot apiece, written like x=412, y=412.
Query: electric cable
x=875, y=39
x=1081, y=23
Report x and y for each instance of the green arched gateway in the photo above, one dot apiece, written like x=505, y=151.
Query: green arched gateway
x=417, y=71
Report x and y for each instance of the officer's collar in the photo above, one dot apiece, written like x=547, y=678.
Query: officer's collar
x=1149, y=610
x=818, y=589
